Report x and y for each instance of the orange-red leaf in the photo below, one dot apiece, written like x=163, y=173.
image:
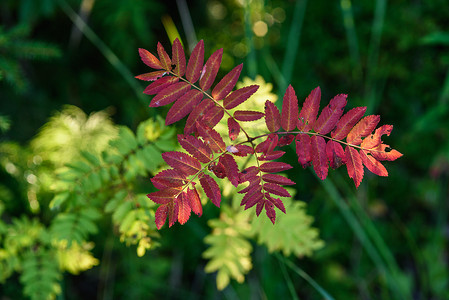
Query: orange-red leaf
x=347, y=122
x=211, y=189
x=275, y=178
x=362, y=129
x=354, y=165
x=210, y=69
x=231, y=168
x=319, y=158
x=178, y=58
x=226, y=84
x=195, y=64
x=168, y=178
x=274, y=167
x=194, y=201
x=160, y=84
x=195, y=147
x=151, y=76
x=272, y=116
x=374, y=140
x=239, y=96
x=247, y=115
x=163, y=196
x=160, y=216
x=197, y=114
x=163, y=56
x=211, y=138
x=373, y=164
x=330, y=114
x=183, y=106
x=170, y=94
x=182, y=162
x=303, y=150
x=384, y=152
x=183, y=208
x=309, y=110
x=234, y=128
x=289, y=119
x=335, y=154
x=149, y=59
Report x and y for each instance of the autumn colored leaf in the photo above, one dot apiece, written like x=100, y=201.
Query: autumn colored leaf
x=243, y=150
x=249, y=173
x=163, y=196
x=276, y=189
x=247, y=115
x=195, y=64
x=309, y=111
x=233, y=129
x=170, y=94
x=286, y=140
x=255, y=182
x=259, y=207
x=335, y=154
x=272, y=116
x=194, y=201
x=384, y=152
x=253, y=196
x=330, y=114
x=239, y=96
x=289, y=119
x=347, y=122
x=275, y=178
x=160, y=84
x=272, y=155
x=270, y=212
x=211, y=189
x=168, y=178
x=183, y=208
x=151, y=76
x=277, y=202
x=362, y=129
x=182, y=162
x=197, y=148
x=373, y=164
x=225, y=86
x=374, y=140
x=231, y=168
x=213, y=116
x=178, y=58
x=218, y=169
x=211, y=138
x=210, y=70
x=303, y=150
x=319, y=158
x=163, y=57
x=197, y=114
x=161, y=216
x=149, y=59
x=274, y=167
x=354, y=165
x=183, y=106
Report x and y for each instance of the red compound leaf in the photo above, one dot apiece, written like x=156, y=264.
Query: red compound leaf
x=149, y=59
x=163, y=57
x=170, y=94
x=211, y=189
x=319, y=158
x=347, y=122
x=195, y=64
x=182, y=162
x=239, y=96
x=309, y=111
x=183, y=106
x=160, y=84
x=247, y=115
x=210, y=70
x=362, y=129
x=330, y=114
x=354, y=165
x=168, y=178
x=151, y=76
x=178, y=58
x=211, y=138
x=289, y=119
x=274, y=167
x=272, y=116
x=233, y=128
x=197, y=148
x=226, y=85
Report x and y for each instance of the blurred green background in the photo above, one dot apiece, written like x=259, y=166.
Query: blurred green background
x=386, y=240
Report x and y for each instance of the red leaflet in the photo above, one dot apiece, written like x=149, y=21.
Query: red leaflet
x=286, y=140
x=218, y=168
x=259, y=207
x=197, y=114
x=277, y=202
x=182, y=162
x=195, y=64
x=211, y=138
x=272, y=116
x=363, y=128
x=374, y=140
x=335, y=154
x=354, y=165
x=347, y=122
x=330, y=114
x=151, y=76
x=183, y=106
x=384, y=152
x=210, y=70
x=213, y=116
x=226, y=85
x=269, y=210
x=160, y=84
x=249, y=173
x=252, y=184
x=272, y=155
x=195, y=147
x=373, y=164
x=149, y=59
x=253, y=196
x=231, y=168
x=163, y=56
x=309, y=110
x=247, y=115
x=239, y=96
x=234, y=129
x=275, y=178
x=211, y=189
x=276, y=189
x=243, y=150
x=194, y=201
x=183, y=208
x=303, y=150
x=168, y=178
x=163, y=196
x=274, y=167
x=161, y=216
x=289, y=118
x=170, y=94
x=178, y=58
x=319, y=159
